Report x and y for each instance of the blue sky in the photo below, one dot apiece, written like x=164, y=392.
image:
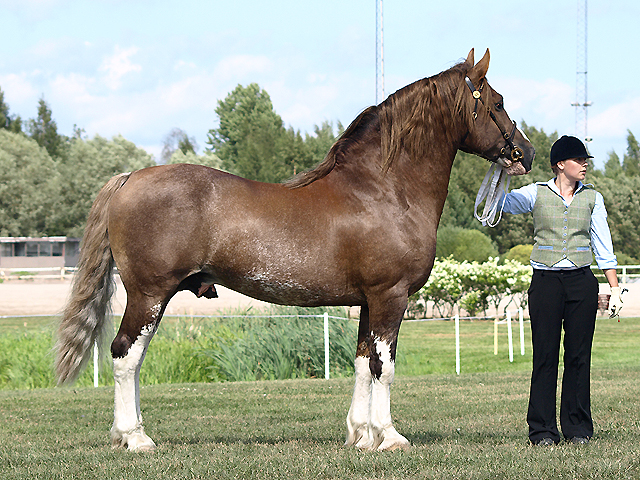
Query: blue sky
x=140, y=68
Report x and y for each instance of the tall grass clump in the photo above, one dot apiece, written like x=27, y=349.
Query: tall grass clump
x=269, y=347
x=240, y=345
x=26, y=360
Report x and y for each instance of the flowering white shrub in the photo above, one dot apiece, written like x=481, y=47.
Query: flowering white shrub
x=471, y=286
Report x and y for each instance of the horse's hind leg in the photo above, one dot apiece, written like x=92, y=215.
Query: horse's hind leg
x=139, y=324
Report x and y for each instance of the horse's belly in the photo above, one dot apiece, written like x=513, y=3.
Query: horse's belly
x=291, y=291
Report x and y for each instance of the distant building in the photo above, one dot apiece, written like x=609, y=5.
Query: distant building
x=28, y=252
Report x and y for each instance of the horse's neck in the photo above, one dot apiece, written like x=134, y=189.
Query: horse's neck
x=426, y=179
x=428, y=150
x=422, y=181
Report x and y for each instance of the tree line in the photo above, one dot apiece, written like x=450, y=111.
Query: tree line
x=48, y=181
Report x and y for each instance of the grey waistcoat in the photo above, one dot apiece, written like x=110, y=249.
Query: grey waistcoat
x=562, y=232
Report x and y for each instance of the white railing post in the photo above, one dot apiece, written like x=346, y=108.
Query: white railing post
x=521, y=321
x=457, y=322
x=96, y=353
x=495, y=336
x=326, y=345
x=510, y=334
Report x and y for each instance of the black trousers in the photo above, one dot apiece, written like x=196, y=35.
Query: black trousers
x=560, y=299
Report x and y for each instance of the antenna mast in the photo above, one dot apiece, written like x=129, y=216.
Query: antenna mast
x=582, y=101
x=379, y=53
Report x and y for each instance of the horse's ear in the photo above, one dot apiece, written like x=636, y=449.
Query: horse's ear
x=469, y=60
x=479, y=70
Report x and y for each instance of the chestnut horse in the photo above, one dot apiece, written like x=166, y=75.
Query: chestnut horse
x=359, y=229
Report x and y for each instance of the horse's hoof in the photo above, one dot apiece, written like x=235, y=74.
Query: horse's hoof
x=365, y=445
x=394, y=442
x=140, y=443
x=359, y=438
x=395, y=446
x=134, y=442
x=144, y=448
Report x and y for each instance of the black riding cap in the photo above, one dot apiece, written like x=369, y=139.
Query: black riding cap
x=568, y=147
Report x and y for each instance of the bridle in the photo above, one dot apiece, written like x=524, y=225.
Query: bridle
x=516, y=153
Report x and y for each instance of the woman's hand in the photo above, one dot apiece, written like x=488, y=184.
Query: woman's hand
x=615, y=302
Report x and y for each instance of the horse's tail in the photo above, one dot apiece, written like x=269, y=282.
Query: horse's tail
x=84, y=319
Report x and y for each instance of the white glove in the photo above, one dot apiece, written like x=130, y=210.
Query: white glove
x=615, y=302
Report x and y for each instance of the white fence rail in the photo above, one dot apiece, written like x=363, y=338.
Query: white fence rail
x=623, y=272
x=41, y=273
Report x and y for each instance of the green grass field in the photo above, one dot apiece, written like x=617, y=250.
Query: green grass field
x=468, y=426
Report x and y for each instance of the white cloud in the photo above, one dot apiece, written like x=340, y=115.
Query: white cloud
x=549, y=100
x=118, y=65
x=144, y=117
x=17, y=88
x=615, y=120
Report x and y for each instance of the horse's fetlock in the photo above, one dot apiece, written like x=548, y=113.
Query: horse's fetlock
x=120, y=346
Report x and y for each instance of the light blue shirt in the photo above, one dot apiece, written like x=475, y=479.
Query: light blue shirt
x=522, y=200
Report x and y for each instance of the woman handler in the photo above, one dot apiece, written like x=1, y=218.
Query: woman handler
x=570, y=224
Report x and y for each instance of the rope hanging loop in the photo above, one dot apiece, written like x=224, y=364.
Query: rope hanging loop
x=495, y=183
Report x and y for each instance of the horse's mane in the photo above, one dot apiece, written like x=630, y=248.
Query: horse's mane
x=401, y=119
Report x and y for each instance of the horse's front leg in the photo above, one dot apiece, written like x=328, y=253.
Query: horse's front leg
x=359, y=417
x=128, y=354
x=382, y=364
x=369, y=423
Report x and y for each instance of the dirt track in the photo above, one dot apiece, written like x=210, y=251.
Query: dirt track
x=48, y=297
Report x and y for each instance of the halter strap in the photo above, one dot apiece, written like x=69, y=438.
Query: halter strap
x=516, y=152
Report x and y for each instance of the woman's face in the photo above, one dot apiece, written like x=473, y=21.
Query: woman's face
x=575, y=168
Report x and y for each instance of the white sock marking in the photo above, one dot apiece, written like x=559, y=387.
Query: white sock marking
x=127, y=420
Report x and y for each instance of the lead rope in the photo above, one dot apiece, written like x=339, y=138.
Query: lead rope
x=491, y=192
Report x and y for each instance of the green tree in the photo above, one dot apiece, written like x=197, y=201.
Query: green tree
x=612, y=167
x=293, y=154
x=631, y=160
x=44, y=130
x=520, y=253
x=13, y=123
x=177, y=140
x=464, y=245
x=466, y=177
x=4, y=112
x=251, y=140
x=85, y=169
x=208, y=159
x=29, y=186
x=622, y=201
x=248, y=136
x=321, y=142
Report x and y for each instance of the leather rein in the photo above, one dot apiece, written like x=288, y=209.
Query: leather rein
x=516, y=153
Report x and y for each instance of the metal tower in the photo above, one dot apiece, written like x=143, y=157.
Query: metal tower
x=379, y=53
x=582, y=103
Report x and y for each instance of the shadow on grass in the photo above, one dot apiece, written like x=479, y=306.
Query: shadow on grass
x=424, y=439
x=251, y=440
x=480, y=438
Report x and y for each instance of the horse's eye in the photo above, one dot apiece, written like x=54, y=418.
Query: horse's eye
x=499, y=106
